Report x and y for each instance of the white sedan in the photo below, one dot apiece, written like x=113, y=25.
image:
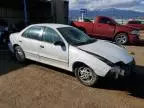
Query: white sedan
x=68, y=48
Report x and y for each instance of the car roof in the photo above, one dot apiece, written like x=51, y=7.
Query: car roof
x=52, y=25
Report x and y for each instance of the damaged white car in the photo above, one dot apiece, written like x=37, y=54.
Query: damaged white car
x=68, y=48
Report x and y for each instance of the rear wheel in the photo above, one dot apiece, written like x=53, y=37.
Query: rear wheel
x=19, y=54
x=121, y=38
x=86, y=75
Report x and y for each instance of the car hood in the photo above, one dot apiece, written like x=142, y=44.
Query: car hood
x=136, y=26
x=129, y=27
x=110, y=51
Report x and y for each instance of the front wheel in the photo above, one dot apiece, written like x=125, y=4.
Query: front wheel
x=86, y=75
x=121, y=38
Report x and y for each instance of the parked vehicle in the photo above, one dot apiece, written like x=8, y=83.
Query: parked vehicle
x=69, y=48
x=135, y=23
x=3, y=30
x=107, y=28
x=3, y=35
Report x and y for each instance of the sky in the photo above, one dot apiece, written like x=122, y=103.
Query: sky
x=136, y=5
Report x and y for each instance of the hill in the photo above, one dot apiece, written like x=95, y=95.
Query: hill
x=111, y=12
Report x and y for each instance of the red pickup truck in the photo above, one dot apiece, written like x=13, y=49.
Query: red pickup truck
x=106, y=28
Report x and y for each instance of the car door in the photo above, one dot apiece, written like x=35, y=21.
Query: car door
x=52, y=54
x=103, y=28
x=30, y=41
x=88, y=27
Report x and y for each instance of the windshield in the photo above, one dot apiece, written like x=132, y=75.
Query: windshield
x=75, y=37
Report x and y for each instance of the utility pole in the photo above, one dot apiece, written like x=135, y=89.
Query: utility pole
x=122, y=20
x=25, y=12
x=83, y=11
x=54, y=11
x=82, y=16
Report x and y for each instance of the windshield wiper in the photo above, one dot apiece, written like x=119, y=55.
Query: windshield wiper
x=87, y=42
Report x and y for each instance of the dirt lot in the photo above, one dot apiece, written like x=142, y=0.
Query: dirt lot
x=33, y=85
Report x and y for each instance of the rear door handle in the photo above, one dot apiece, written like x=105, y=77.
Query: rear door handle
x=41, y=46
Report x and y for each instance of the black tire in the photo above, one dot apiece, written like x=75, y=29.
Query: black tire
x=19, y=54
x=121, y=38
x=93, y=77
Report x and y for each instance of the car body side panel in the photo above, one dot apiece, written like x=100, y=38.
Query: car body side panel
x=31, y=48
x=86, y=26
x=140, y=26
x=89, y=27
x=55, y=55
x=14, y=38
x=104, y=30
x=76, y=55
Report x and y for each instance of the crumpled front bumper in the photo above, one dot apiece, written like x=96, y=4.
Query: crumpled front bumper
x=134, y=38
x=121, y=70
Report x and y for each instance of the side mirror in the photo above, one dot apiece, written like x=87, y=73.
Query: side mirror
x=59, y=43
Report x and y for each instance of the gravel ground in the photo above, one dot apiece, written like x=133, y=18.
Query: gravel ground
x=34, y=85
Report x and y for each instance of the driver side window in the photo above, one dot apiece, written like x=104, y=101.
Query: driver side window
x=104, y=21
x=50, y=35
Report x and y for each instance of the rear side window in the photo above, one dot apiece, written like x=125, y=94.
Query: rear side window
x=33, y=33
x=50, y=35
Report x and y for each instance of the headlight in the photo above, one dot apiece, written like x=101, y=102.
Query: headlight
x=135, y=32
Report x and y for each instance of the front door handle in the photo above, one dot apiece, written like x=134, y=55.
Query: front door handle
x=41, y=46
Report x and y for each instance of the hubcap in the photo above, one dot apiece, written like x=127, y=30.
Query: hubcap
x=121, y=39
x=85, y=74
x=19, y=54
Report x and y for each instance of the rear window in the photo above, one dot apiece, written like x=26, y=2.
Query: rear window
x=134, y=22
x=104, y=20
x=33, y=33
x=87, y=20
